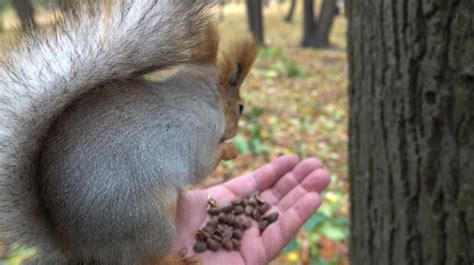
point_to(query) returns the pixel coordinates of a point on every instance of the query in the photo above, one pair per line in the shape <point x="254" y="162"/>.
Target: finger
<point x="291" y="180"/>
<point x="277" y="235"/>
<point x="261" y="179"/>
<point x="315" y="182"/>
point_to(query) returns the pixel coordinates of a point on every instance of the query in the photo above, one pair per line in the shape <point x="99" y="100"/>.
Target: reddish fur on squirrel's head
<point x="234" y="65"/>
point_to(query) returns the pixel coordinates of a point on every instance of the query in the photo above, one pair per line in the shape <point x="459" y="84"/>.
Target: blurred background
<point x="295" y="99"/>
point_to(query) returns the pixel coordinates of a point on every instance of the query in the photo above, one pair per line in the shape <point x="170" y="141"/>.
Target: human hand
<point x="291" y="187"/>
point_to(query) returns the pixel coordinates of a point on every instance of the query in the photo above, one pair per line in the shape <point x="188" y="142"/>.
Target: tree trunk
<point x="255" y="18"/>
<point x="308" y="22"/>
<point x="316" y="33"/>
<point x="323" y="28"/>
<point x="411" y="147"/>
<point x="291" y="12"/>
<point x="25" y="12"/>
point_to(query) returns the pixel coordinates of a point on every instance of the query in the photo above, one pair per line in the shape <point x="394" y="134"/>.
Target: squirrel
<point x="93" y="154"/>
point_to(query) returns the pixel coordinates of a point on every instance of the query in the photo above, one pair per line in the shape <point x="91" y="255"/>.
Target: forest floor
<point x="295" y="102"/>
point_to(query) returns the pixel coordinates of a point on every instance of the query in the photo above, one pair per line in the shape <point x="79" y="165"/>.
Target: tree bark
<point x="323" y="28"/>
<point x="308" y="22"/>
<point x="316" y="32"/>
<point x="411" y="146"/>
<point x="291" y="11"/>
<point x="25" y="12"/>
<point x="255" y="19"/>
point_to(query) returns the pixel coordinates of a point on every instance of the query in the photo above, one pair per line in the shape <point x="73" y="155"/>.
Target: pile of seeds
<point x="228" y="223"/>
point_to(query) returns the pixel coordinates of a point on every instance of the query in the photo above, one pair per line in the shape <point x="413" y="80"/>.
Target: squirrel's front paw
<point x="227" y="151"/>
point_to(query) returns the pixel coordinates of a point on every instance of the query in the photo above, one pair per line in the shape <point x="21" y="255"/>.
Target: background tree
<point x="255" y="19"/>
<point x="316" y="31"/>
<point x="25" y="12"/>
<point x="291" y="11"/>
<point x="411" y="131"/>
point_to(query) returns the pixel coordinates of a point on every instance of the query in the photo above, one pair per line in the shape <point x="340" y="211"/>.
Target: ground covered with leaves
<point x="296" y="102"/>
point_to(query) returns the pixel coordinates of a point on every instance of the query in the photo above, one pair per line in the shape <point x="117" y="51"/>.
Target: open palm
<point x="291" y="187"/>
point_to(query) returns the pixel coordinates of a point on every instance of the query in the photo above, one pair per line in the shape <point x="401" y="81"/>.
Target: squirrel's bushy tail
<point x="96" y="43"/>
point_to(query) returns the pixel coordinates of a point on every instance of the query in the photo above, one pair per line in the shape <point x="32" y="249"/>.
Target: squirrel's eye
<point x="241" y="108"/>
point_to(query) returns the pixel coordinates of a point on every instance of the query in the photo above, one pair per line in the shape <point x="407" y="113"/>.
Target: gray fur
<point x="82" y="61"/>
<point x="111" y="158"/>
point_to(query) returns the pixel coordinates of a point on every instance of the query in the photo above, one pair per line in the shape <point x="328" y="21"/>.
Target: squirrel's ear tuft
<point x="236" y="76"/>
<point x="235" y="63"/>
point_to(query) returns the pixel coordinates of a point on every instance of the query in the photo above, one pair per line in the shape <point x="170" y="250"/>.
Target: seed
<point x="227" y="243"/>
<point x="216" y="238"/>
<point x="230" y="219"/>
<point x="236" y="201"/>
<point x="227" y="208"/>
<point x="256" y="214"/>
<point x="236" y="244"/>
<point x="262" y="225"/>
<point x="245" y="202"/>
<point x="212" y="244"/>
<point x="222" y="218"/>
<point x="264" y="207"/>
<point x="237" y="234"/>
<point x="239" y="223"/>
<point x="209" y="229"/>
<point x="240" y="220"/>
<point x="201" y="235"/>
<point x="228" y="232"/>
<point x="214" y="211"/>
<point x="200" y="246"/>
<point x="253" y="201"/>
<point x="272" y="217"/>
<point x="238" y="210"/>
<point x="248" y="210"/>
<point x="238" y="226"/>
<point x="211" y="223"/>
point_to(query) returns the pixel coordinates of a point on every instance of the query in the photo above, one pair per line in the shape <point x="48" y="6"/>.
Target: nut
<point x="262" y="225"/>
<point x="248" y="210"/>
<point x="238" y="210"/>
<point x="264" y="207"/>
<point x="272" y="217"/>
<point x="236" y="201"/>
<point x="212" y="244"/>
<point x="200" y="246"/>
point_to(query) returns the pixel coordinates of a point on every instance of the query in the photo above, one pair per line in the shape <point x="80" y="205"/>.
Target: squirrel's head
<point x="234" y="65"/>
